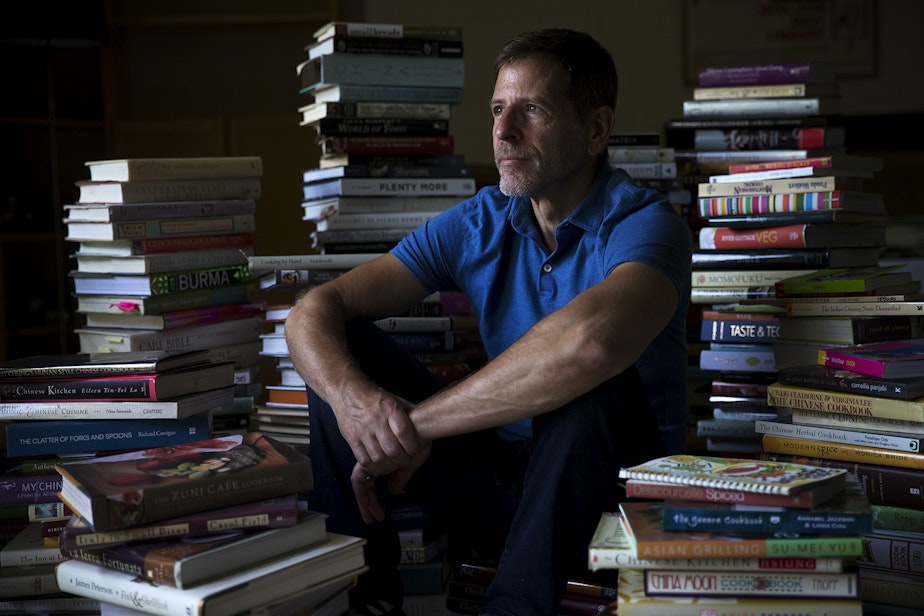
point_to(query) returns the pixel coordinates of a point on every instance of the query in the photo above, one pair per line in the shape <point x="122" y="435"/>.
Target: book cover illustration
<point x="145" y="486"/>
<point x="733" y="473"/>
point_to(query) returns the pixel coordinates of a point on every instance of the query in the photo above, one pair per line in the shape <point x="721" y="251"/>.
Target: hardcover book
<point x="843" y="280"/>
<point x="762" y="107"/>
<point x="162" y="283"/>
<point x="328" y="127"/>
<point x="222" y="333"/>
<point x="642" y="523"/>
<point x="156" y="386"/>
<point x="449" y="48"/>
<point x="107" y="212"/>
<point x="633" y="601"/>
<point x="277" y="512"/>
<point x="680" y="583"/>
<point x="68" y="436"/>
<point x="161" y="263"/>
<point x="845" y="161"/>
<point x="894" y="440"/>
<point x="851" y="330"/>
<point x="157" y="245"/>
<point x="709" y="207"/>
<point x="848" y="381"/>
<point x="160" y="304"/>
<point x="19" y="487"/>
<point x="148" y="191"/>
<point x="768" y="73"/>
<point x="338" y="558"/>
<point x="174" y="319"/>
<point x="146" y="486"/>
<point x="157" y="228"/>
<point x="392" y="144"/>
<point x="178" y="408"/>
<point x="188" y="562"/>
<point x="905" y="304"/>
<point x="99" y="364"/>
<point x="790" y="396"/>
<point x="891" y="359"/>
<point x="737" y="185"/>
<point x="858" y="423"/>
<point x="309" y="261"/>
<point x="381" y="69"/>
<point x="780" y="257"/>
<point x="791" y="236"/>
<point x="733" y="473"/>
<point x="373" y="109"/>
<point x="377" y="187"/>
<point x="335" y="93"/>
<point x="392" y="31"/>
<point x="848" y="513"/>
<point x="192" y="168"/>
<point x="610" y="549"/>
<point x="842" y="451"/>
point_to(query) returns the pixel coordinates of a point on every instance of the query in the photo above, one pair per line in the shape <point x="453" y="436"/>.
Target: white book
<point x="202" y="167"/>
<point x="791" y="172"/>
<point x="389" y="187"/>
<point x="164" y="262"/>
<point x="338" y="558"/>
<point x="309" y="261"/>
<point x="322" y="208"/>
<point x="184" y="338"/>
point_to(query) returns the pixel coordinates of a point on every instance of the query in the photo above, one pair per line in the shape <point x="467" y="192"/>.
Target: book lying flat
<point x="733" y="473"/>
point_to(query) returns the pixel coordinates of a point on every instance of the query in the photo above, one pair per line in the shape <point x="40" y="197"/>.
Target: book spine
<point x="779" y="90"/>
<point x="725" y="428"/>
<point x="197" y="337"/>
<point x="852" y="422"/>
<point x="394" y="94"/>
<point x="239" y="223"/>
<point x="847" y="308"/>
<point x="207" y="315"/>
<point x="384" y="69"/>
<point x="839" y="402"/>
<point x="738" y="331"/>
<point x="378" y="187"/>
<point x="663" y="491"/>
<point x="756" y="74"/>
<point x="380" y="126"/>
<point x="347" y="222"/>
<point x="448" y="48"/>
<point x="819" y="546"/>
<point x="149" y="191"/>
<point x="29" y="489"/>
<point x="732" y="238"/>
<point x="768" y="187"/>
<point x="817" y="161"/>
<point x="298" y="277"/>
<point x="415" y="324"/>
<point x="667" y="583"/>
<point x="194" y="242"/>
<point x="79" y="436"/>
<point x="182" y="209"/>
<point x="621" y="154"/>
<point x="772" y="258"/>
<point x="396" y="144"/>
<point x="35" y="390"/>
<point x="189" y="300"/>
<point x="732" y="139"/>
<point x="326" y="262"/>
<point x="903" y="519"/>
<point x="640" y="170"/>
<point x="710" y="207"/>
<point x="898" y="593"/>
<point x="735" y="278"/>
<point x="29" y="582"/>
<point x="430" y="341"/>
<point x="892" y="552"/>
<point x="192" y="168"/>
<point x="687" y="517"/>
<point x="736" y="361"/>
<point x="882" y="484"/>
<point x="847" y="437"/>
<point x="371" y="109"/>
<point x="192" y="280"/>
<point x="754" y="107"/>
<point x="723" y="295"/>
<point x="841" y="451"/>
<point x="123" y="562"/>
<point x="359" y="29"/>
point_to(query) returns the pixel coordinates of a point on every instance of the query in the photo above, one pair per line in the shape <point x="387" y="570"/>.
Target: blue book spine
<point x="738" y="331"/>
<point x="85" y="436"/>
<point x="384" y="69"/>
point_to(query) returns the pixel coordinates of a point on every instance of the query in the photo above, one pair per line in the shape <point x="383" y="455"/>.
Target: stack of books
<point x="861" y="408"/>
<point x="776" y="197"/>
<point x="161" y="261"/>
<point x="214" y="527"/>
<point x="650" y="165"/>
<point x="381" y="96"/>
<point x="734" y="535"/>
<point x="78" y="406"/>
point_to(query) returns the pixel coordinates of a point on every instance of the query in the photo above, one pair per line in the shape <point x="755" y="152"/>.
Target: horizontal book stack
<point x="161" y="261"/>
<point x="63" y="407"/>
<point x="381" y="96"/>
<point x="216" y="526"/>
<point x="734" y="535"/>
<point x="861" y="408"/>
<point x="651" y="165"/>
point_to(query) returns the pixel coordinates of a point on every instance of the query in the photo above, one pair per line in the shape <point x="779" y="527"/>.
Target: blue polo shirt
<point x="489" y="248"/>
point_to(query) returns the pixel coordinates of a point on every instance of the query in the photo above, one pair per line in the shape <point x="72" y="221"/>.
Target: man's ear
<point x="600" y="128"/>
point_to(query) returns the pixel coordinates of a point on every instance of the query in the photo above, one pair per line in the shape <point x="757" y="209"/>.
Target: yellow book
<point x="842" y="451"/>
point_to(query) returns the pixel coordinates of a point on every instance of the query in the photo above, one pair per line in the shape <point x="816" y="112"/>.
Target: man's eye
<point x="532" y="108"/>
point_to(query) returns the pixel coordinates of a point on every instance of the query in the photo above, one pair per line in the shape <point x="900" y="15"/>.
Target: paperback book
<point x="146" y="486"/>
<point x="897" y="441"/>
<point x="680" y="583"/>
<point x="891" y="359"/>
<point x="807" y="398"/>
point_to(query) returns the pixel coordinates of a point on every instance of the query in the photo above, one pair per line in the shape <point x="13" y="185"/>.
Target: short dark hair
<point x="589" y="66"/>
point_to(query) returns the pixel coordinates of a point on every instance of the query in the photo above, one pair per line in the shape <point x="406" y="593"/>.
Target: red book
<point x="843" y="161"/>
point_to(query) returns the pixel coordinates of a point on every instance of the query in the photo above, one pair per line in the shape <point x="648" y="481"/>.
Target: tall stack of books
<point x="213" y="527"/>
<point x="734" y="535"/>
<point x="381" y="100"/>
<point x="161" y="261"/>
<point x="861" y="408"/>
<point x="650" y="165"/>
<point x="78" y="406"/>
<point x="777" y="197"/>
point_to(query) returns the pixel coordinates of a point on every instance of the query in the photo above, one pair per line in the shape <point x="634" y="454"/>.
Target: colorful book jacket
<point x="679" y="583"/>
<point x="642" y="522"/>
<point x="789" y="396"/>
<point x="277" y="512"/>
<point x="789" y="202"/>
<point x="842" y="451"/>
<point x="892" y="359"/>
<point x="610" y="548"/>
<point x="761" y="476"/>
<point x="186" y="562"/>
<point x="146" y="486"/>
<point x="38" y="438"/>
<point x="19" y="487"/>
<point x="848" y="513"/>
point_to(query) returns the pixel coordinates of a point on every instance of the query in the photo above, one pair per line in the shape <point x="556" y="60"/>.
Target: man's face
<point x="539" y="141"/>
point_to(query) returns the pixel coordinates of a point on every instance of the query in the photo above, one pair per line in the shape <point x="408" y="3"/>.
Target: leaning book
<point x="733" y="473"/>
<point x="340" y="557"/>
<point x="141" y="487"/>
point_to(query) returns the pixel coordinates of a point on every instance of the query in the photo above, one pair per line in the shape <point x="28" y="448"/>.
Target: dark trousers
<point x="533" y="504"/>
